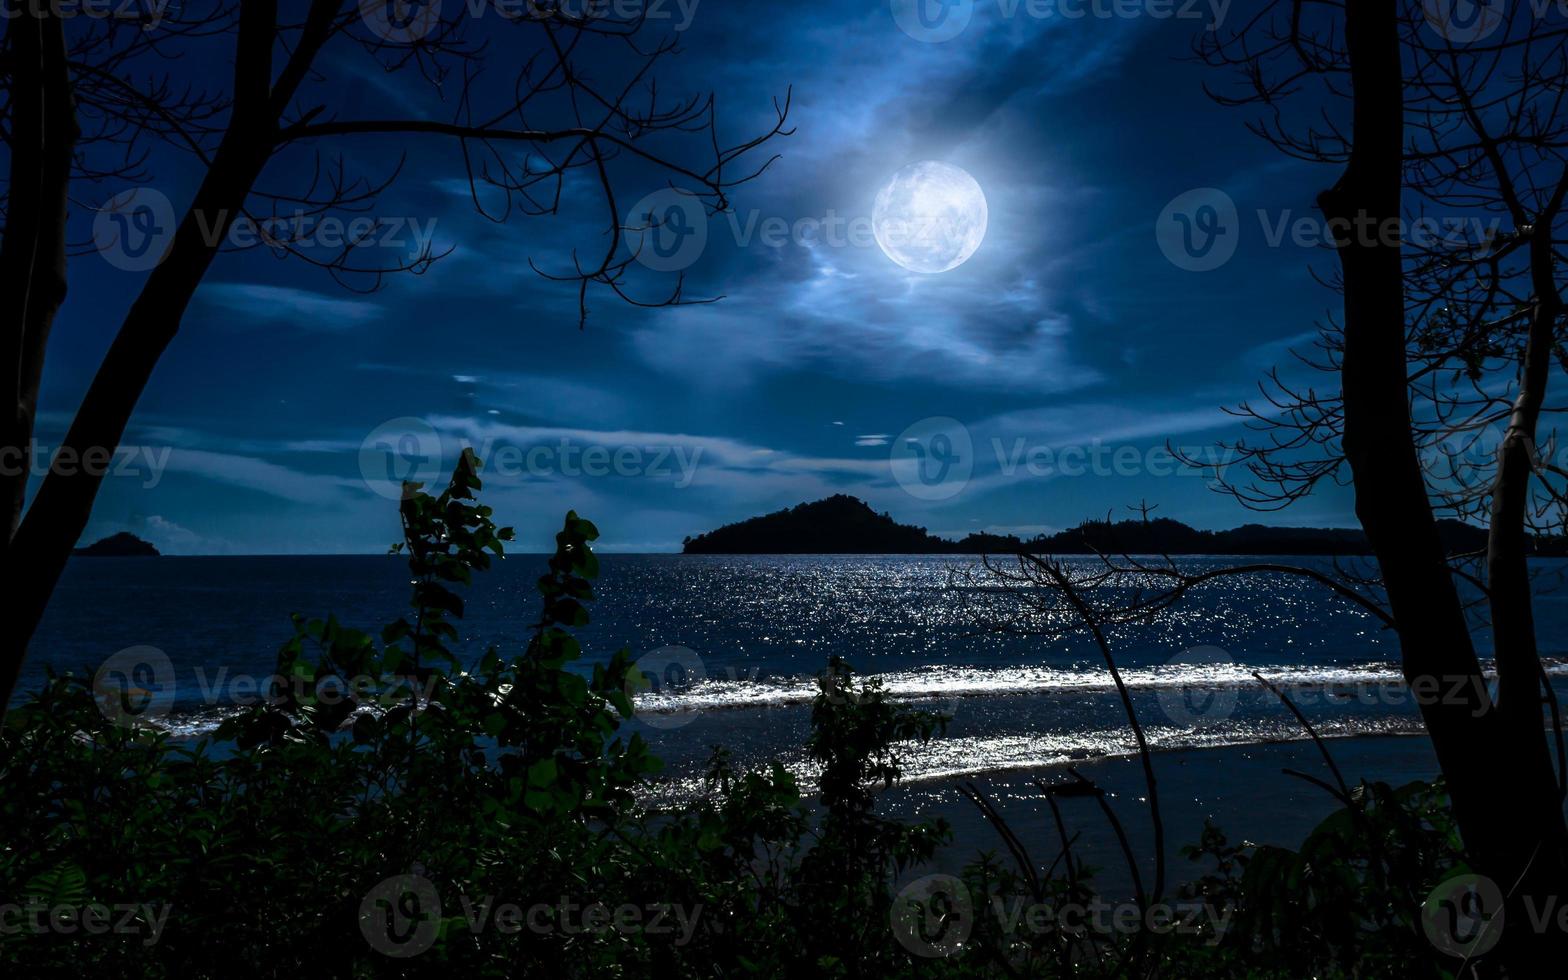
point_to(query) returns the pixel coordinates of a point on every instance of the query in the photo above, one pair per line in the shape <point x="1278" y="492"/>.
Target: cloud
<point x="955" y="334"/>
<point x="256" y="474"/>
<point x="176" y="539"/>
<point x="300" y="307"/>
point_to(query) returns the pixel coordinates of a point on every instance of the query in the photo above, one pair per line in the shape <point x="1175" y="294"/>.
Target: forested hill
<point x="838" y="525"/>
<point x="846" y="525"/>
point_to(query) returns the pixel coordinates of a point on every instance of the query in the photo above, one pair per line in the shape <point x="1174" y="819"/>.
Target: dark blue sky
<point x="1069" y="327"/>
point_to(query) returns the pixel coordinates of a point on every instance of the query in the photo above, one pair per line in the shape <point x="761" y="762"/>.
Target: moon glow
<point x="930" y="217"/>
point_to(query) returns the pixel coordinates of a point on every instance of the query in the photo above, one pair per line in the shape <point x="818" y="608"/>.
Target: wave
<point x="982" y="755"/>
<point x="945" y="683"/>
<point x="951" y="684"/>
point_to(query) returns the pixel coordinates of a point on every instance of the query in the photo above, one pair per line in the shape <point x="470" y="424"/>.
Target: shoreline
<point x="1240" y="788"/>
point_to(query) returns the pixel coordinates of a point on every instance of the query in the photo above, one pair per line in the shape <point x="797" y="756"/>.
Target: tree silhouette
<point x="94" y="104"/>
<point x="1451" y="139"/>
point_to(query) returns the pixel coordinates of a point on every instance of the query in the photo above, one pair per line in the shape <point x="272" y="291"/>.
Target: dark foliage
<point x="387" y="812"/>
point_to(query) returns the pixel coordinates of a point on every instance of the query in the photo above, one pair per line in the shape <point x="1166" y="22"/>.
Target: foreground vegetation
<point x="489" y="821"/>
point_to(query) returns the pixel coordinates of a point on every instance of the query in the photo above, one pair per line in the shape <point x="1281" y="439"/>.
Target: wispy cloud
<point x="299" y="307"/>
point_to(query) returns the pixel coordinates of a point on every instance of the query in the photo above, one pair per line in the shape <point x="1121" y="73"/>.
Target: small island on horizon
<point x="846" y="525"/>
<point x="121" y="545"/>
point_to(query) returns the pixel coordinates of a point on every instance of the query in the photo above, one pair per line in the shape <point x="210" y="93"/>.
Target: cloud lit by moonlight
<point x="930" y="217"/>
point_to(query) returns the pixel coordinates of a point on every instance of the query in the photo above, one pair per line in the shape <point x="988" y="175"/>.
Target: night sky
<point x="1069" y="327"/>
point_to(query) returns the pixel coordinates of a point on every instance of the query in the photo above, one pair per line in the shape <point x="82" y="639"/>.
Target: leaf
<point x="543" y="774"/>
<point x="63" y="884"/>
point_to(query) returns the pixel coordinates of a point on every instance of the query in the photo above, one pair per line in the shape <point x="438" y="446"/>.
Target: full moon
<point x="930" y="217"/>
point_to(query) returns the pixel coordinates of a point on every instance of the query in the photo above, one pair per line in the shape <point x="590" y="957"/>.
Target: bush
<point x="487" y="821"/>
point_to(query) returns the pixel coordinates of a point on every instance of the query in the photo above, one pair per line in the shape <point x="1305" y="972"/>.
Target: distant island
<point x="122" y="545"/>
<point x="845" y="525"/>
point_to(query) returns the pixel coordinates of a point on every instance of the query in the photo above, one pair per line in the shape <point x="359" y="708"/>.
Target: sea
<point x="730" y="646"/>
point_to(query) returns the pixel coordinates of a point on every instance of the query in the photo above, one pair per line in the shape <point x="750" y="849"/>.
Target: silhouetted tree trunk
<point x="32" y="256"/>
<point x="1499" y="774"/>
<point x="49" y="66"/>
<point x="42" y="542"/>
<point x="32" y="284"/>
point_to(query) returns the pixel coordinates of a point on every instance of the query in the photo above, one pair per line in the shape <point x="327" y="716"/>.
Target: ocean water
<point x="730" y="646"/>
